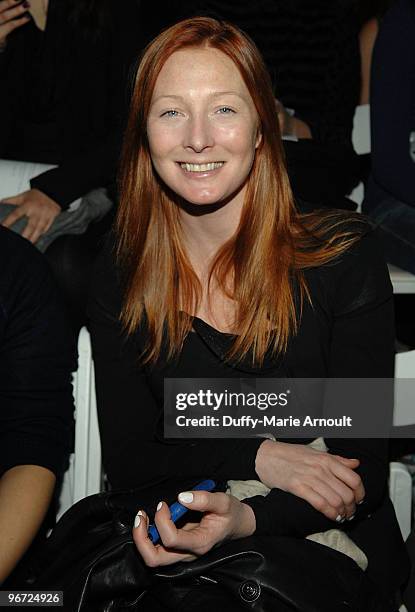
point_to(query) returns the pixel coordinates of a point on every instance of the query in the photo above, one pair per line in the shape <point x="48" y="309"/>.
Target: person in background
<point x="63" y="74"/>
<point x="390" y="194"/>
<point x="36" y="404"/>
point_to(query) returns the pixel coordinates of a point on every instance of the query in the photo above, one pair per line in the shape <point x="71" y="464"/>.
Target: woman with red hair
<point x="215" y="274"/>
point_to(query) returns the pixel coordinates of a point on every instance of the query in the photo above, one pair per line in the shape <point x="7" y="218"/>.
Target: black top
<point x="64" y="98"/>
<point x="311" y="49"/>
<point x="36" y="361"/>
<point x="347" y="333"/>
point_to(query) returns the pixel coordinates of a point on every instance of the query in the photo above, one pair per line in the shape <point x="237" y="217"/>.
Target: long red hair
<point x="261" y="266"/>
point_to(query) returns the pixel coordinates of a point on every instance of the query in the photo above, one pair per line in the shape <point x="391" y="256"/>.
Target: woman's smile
<point x="200" y="171"/>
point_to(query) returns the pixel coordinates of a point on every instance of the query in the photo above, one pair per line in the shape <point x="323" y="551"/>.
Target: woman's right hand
<point x="327" y="482"/>
<point x="13" y="14"/>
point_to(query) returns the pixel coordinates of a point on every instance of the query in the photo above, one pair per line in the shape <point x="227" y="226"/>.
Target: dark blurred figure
<point x="63" y="72"/>
<point x="311" y="49"/>
<point x="390" y="196"/>
<point x="36" y="404"/>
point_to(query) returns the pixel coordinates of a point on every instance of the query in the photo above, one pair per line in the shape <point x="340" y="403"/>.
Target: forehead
<point x="199" y="70"/>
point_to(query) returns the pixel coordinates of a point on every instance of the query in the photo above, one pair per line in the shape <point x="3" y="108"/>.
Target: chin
<point x="200" y="200"/>
<point x="203" y="201"/>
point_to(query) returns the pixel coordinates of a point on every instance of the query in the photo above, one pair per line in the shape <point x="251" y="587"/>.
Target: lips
<point x="207" y="167"/>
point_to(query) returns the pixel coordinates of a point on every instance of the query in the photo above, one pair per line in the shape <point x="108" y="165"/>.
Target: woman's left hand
<point x="224" y="518"/>
<point x="39" y="209"/>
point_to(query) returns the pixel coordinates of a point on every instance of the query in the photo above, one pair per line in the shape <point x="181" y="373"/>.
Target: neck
<point x="204" y="234"/>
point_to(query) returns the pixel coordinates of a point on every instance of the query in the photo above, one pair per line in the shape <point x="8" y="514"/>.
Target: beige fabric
<point x="340" y="541"/>
<point x="39" y="11"/>
<point x="333" y="538"/>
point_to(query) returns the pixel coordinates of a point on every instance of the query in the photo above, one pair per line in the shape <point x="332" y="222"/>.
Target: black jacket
<point x="347" y="333"/>
<point x="37" y="357"/>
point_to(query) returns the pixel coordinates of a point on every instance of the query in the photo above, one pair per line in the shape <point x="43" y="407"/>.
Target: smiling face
<point x="202" y="127"/>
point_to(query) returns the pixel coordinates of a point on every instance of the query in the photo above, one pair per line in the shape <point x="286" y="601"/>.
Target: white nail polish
<point x="137" y="520"/>
<point x="361" y="501"/>
<point x="351" y="517"/>
<point x="186" y="497"/>
<point x="339" y="518"/>
<point x="159" y="505"/>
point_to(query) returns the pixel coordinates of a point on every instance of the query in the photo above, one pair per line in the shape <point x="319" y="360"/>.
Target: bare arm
<point x="367" y="38"/>
<point x="25" y="494"/>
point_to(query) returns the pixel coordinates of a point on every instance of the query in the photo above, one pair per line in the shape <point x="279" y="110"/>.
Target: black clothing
<point x="390" y="193"/>
<point x="36" y="361"/>
<point x="347" y="333"/>
<point x="64" y="99"/>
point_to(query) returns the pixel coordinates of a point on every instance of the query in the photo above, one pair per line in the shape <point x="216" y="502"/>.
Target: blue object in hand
<point x="177" y="510"/>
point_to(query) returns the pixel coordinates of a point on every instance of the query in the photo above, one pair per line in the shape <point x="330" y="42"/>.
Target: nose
<point x="199" y="134"/>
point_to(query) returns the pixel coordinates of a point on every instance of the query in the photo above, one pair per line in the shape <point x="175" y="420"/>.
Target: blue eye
<point x="225" y="110"/>
<point x="170" y="113"/>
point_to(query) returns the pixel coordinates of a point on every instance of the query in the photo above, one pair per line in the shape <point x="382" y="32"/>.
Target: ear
<point x="258" y="139"/>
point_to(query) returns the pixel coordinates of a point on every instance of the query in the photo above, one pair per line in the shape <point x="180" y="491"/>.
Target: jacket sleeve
<point x="37" y="358"/>
<point x="362" y="345"/>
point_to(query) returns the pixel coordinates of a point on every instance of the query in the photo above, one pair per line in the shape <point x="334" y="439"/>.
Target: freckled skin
<point x="201" y="112"/>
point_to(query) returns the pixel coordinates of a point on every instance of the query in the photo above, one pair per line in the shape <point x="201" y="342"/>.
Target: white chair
<point x="84" y="475"/>
<point x="400" y="492"/>
<point x="361" y="144"/>
<point x="402" y="281"/>
<point x="400" y="481"/>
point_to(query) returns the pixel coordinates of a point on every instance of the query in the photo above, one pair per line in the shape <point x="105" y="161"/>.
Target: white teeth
<point x="201" y="167"/>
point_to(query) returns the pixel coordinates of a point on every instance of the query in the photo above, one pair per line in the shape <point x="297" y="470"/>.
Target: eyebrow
<point x="212" y="95"/>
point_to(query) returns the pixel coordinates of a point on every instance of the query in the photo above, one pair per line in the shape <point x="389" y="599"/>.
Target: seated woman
<point x="63" y="69"/>
<point x="214" y="274"/>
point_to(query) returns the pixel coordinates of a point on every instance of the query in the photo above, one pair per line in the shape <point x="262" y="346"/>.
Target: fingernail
<point x="361" y="502"/>
<point x="159" y="505"/>
<point x="339" y="518"/>
<point x="186" y="497"/>
<point x="137" y="519"/>
<point x="351" y="517"/>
